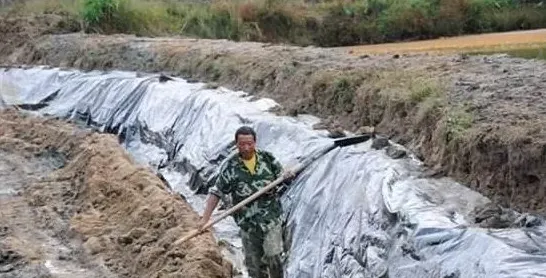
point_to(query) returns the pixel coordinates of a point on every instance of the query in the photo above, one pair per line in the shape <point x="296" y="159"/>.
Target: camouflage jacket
<point x="237" y="181"/>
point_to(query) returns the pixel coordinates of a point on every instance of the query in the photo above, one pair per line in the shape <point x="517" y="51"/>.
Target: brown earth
<point x="493" y="41"/>
<point x="73" y="204"/>
<point x="479" y="119"/>
<point x="16" y="31"/>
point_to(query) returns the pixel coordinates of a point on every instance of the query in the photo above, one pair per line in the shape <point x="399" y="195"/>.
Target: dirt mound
<point x="96" y="214"/>
<point x="17" y="31"/>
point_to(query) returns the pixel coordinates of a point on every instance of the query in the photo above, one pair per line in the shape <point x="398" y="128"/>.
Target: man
<point x="241" y="175"/>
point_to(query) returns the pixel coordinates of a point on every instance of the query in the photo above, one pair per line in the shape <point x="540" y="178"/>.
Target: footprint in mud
<point x="4" y="230"/>
<point x="9" y="259"/>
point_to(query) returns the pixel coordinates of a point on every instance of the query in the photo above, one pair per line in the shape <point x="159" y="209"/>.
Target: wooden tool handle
<point x="238" y="206"/>
<point x="343" y="142"/>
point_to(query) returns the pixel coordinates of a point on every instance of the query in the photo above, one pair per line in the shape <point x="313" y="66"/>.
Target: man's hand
<point x="202" y="224"/>
<point x="212" y="201"/>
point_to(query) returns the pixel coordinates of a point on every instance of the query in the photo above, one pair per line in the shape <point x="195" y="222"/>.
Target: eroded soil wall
<point x="75" y="204"/>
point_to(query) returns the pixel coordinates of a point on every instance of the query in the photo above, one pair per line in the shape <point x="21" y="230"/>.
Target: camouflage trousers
<point x="263" y="251"/>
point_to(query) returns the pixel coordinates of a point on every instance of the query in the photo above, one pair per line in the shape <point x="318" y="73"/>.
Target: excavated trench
<point x="366" y="210"/>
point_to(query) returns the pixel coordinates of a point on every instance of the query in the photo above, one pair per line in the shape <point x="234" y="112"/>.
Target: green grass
<point x="328" y="23"/>
<point x="422" y="89"/>
<point x="538" y="52"/>
<point x="458" y="122"/>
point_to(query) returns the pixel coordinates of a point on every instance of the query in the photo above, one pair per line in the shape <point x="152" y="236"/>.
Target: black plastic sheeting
<point x="355" y="212"/>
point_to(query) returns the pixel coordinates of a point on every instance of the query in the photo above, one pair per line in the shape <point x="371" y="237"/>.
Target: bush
<point x="450" y="17"/>
<point x="323" y="23"/>
<point x="375" y="21"/>
<point x="508" y="19"/>
<point x="406" y="19"/>
<point x="101" y="14"/>
<point x="209" y="22"/>
<point x="274" y="24"/>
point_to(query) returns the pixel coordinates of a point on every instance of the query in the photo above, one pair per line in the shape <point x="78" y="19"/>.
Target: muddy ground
<point x="74" y="204"/>
<point x="479" y="119"/>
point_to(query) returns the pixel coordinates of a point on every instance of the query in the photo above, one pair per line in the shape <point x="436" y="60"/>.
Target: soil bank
<point x="74" y="204"/>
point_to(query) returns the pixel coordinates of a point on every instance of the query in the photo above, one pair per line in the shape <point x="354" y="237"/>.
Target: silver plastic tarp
<point x="355" y="212"/>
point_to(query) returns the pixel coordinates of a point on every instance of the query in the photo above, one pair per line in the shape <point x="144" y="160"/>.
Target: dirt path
<point x="502" y="41"/>
<point x="73" y="204"/>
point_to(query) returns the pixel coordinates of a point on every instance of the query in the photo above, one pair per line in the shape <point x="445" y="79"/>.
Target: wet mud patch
<point x="73" y="204"/>
<point x="31" y="244"/>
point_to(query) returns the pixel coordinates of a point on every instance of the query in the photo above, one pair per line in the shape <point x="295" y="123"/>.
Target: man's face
<point x="246" y="145"/>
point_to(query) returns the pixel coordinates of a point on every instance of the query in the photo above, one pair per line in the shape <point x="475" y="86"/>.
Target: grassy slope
<point x="328" y="23"/>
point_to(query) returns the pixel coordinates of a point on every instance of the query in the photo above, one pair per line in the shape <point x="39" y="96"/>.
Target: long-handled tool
<point x="337" y="143"/>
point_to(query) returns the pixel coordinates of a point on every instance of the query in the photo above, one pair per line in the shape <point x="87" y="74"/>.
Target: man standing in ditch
<point x="260" y="225"/>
